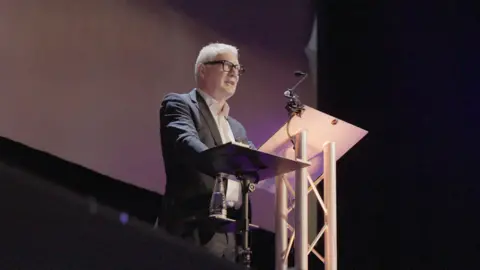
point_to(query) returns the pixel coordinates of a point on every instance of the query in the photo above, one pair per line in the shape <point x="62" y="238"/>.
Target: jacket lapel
<point x="207" y="116"/>
<point x="237" y="131"/>
<point x="234" y="130"/>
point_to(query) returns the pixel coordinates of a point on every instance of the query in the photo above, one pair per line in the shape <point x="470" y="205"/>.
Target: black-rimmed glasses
<point x="227" y="66"/>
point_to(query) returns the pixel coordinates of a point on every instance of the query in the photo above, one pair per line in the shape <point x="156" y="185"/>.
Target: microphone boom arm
<point x="294" y="105"/>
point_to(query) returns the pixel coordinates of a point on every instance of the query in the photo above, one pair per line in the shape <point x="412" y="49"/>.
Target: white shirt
<point x="220" y="114"/>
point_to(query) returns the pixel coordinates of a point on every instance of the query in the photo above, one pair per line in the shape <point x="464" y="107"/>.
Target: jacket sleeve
<point x="177" y="127"/>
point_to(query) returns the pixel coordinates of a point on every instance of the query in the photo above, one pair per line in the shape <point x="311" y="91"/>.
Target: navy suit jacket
<point x="188" y="128"/>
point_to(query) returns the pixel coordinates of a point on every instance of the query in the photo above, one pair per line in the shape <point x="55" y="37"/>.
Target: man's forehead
<point x="227" y="56"/>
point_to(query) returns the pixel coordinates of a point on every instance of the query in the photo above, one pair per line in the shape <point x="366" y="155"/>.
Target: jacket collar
<point x="202" y="106"/>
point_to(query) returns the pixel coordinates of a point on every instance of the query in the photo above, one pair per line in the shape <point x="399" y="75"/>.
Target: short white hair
<point x="209" y="52"/>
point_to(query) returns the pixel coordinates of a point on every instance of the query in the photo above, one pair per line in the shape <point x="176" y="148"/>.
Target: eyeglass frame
<point x="240" y="69"/>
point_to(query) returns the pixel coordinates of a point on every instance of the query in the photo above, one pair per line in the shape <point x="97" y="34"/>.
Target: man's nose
<point x="233" y="72"/>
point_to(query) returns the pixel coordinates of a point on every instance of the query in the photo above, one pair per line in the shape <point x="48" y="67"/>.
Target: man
<point x="189" y="124"/>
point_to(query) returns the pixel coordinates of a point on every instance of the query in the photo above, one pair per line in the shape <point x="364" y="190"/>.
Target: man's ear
<point x="201" y="71"/>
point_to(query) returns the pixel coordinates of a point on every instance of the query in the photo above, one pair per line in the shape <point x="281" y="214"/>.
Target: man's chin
<point x="228" y="92"/>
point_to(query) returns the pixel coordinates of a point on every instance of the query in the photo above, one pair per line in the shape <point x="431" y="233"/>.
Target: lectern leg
<point x="244" y="224"/>
<point x="301" y="204"/>
<point x="330" y="186"/>
<point x="280" y="224"/>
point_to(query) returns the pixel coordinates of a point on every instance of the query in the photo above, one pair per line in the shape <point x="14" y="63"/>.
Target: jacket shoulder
<point x="175" y="97"/>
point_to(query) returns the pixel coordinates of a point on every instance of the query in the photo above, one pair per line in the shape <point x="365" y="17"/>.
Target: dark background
<point x="407" y="71"/>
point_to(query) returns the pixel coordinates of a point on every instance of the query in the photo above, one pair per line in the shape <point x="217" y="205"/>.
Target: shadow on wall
<point x="277" y="27"/>
<point x="140" y="203"/>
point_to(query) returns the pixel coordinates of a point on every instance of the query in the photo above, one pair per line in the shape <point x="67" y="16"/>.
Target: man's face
<point x="221" y="75"/>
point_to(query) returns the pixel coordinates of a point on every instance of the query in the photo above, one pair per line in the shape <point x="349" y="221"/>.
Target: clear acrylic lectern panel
<point x="321" y="128"/>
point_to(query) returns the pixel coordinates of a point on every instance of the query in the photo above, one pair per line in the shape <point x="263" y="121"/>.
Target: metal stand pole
<point x="301" y="204"/>
<point x="280" y="224"/>
<point x="328" y="204"/>
<point x="330" y="195"/>
<point x="244" y="224"/>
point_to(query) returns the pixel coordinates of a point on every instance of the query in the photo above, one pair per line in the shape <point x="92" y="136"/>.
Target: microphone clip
<point x="294" y="106"/>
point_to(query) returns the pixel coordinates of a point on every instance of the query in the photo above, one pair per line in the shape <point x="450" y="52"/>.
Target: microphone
<point x="299" y="73"/>
<point x="294" y="105"/>
<point x="290" y="93"/>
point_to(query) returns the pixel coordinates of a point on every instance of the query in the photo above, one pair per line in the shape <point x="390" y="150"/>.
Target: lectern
<point x="237" y="161"/>
<point x="329" y="138"/>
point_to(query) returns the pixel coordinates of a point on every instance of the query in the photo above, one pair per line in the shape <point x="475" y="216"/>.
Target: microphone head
<point x="299" y="73"/>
